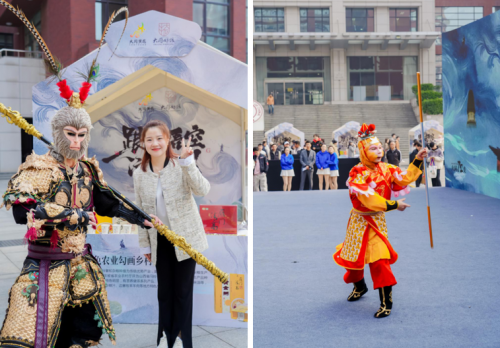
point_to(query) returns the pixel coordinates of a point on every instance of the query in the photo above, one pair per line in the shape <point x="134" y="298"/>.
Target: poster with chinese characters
<point x="172" y="45"/>
<point x="131" y="281"/>
<point x="216" y="142"/>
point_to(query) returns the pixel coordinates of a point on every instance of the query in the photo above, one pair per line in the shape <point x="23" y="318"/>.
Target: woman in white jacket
<point x="164" y="185"/>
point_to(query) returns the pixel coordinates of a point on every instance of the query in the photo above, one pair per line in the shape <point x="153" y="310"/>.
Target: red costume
<point x="371" y="184"/>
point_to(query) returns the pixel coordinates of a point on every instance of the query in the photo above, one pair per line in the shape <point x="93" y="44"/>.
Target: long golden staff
<point x="425" y="162"/>
<point x="14" y="117"/>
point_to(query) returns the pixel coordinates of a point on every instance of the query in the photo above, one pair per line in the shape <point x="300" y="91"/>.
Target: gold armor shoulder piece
<point x="34" y="177"/>
<point x="95" y="170"/>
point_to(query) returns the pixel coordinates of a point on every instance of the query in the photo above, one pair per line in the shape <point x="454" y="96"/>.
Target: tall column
<point x="338" y="63"/>
<point x="427" y="64"/>
<point x="77" y="19"/>
<point x="238" y="30"/>
<point x="292" y="20"/>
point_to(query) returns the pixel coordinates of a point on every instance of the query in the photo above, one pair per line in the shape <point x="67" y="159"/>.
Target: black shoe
<point x="359" y="290"/>
<point x="385" y="295"/>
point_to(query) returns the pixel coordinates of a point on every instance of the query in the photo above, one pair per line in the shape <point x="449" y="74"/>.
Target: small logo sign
<point x="146" y="100"/>
<point x="171" y="97"/>
<point x="139" y="31"/>
<point x="258" y="111"/>
<point x="163" y="29"/>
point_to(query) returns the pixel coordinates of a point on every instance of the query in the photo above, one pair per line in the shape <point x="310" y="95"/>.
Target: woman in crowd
<point x="164" y="185"/>
<point x="323" y="169"/>
<point x="351" y="150"/>
<point x="333" y="164"/>
<point x="436" y="154"/>
<point x="287" y="172"/>
<point x="397" y="142"/>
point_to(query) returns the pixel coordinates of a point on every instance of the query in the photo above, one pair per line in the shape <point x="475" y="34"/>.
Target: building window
<point x="269" y="20"/>
<point x="30" y="44"/>
<point x="403" y="19"/>
<point x="213" y="18"/>
<point x="314" y="20"/>
<point x="451" y="18"/>
<point x="6" y="41"/>
<point x="381" y="78"/>
<point x="294" y="80"/>
<point x="103" y="10"/>
<point x="439" y="76"/>
<point x="360" y="20"/>
<point x="495" y="9"/>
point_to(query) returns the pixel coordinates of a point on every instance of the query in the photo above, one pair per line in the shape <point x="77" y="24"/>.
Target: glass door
<point x="276" y="89"/>
<point x="313" y="93"/>
<point x="294" y="93"/>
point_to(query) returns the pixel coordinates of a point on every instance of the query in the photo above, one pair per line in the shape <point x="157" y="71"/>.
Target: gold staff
<point x="14" y="117"/>
<point x="425" y="164"/>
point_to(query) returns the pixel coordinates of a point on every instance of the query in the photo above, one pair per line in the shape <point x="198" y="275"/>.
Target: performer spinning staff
<point x="370" y="185"/>
<point x="60" y="299"/>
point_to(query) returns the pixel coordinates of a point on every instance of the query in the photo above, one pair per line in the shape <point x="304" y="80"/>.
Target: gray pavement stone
<point x="210" y="341"/>
<point x="236" y="338"/>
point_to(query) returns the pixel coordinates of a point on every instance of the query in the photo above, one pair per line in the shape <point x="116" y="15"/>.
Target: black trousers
<point x="436" y="182"/>
<point x="175" y="294"/>
<point x="78" y="326"/>
<point x="419" y="180"/>
<point x="309" y="174"/>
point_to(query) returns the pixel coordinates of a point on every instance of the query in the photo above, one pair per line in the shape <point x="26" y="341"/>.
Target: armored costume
<point x="60" y="298"/>
<point x="370" y="185"/>
<point x="61" y="282"/>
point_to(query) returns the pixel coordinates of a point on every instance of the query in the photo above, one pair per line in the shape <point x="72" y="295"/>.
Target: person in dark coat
<point x="393" y="155"/>
<point x="418" y="146"/>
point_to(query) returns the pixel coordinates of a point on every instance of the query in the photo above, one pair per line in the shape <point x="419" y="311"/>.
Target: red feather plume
<point x="66" y="92"/>
<point x="84" y="91"/>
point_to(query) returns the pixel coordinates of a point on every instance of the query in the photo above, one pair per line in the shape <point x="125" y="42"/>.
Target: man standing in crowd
<point x="275" y="154"/>
<point x="437" y="155"/>
<point x="270" y="104"/>
<point x="281" y="148"/>
<point x="307" y="160"/>
<point x="261" y="150"/>
<point x="393" y="155"/>
<point x="316" y="144"/>
<point x="296" y="148"/>
<point x="417" y="146"/>
<point x="260" y="167"/>
<point x="265" y="147"/>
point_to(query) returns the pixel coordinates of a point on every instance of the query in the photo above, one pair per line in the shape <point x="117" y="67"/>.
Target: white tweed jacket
<point x="179" y="183"/>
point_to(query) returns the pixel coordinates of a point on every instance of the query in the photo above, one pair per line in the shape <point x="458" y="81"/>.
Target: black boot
<point x="359" y="290"/>
<point x="385" y="294"/>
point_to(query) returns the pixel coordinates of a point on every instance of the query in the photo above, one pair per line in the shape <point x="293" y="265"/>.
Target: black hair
<point x="255" y="149"/>
<point x="432" y="144"/>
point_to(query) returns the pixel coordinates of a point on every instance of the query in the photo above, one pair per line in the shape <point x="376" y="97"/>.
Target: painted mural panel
<point x="471" y="96"/>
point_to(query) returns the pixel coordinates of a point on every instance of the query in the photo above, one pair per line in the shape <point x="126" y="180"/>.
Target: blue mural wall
<point x="471" y="97"/>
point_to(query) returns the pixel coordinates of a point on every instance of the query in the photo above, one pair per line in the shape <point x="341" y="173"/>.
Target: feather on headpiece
<point x="52" y="64"/>
<point x="55" y="67"/>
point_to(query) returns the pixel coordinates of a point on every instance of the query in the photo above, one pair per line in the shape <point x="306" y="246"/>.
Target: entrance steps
<point x="389" y="117"/>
